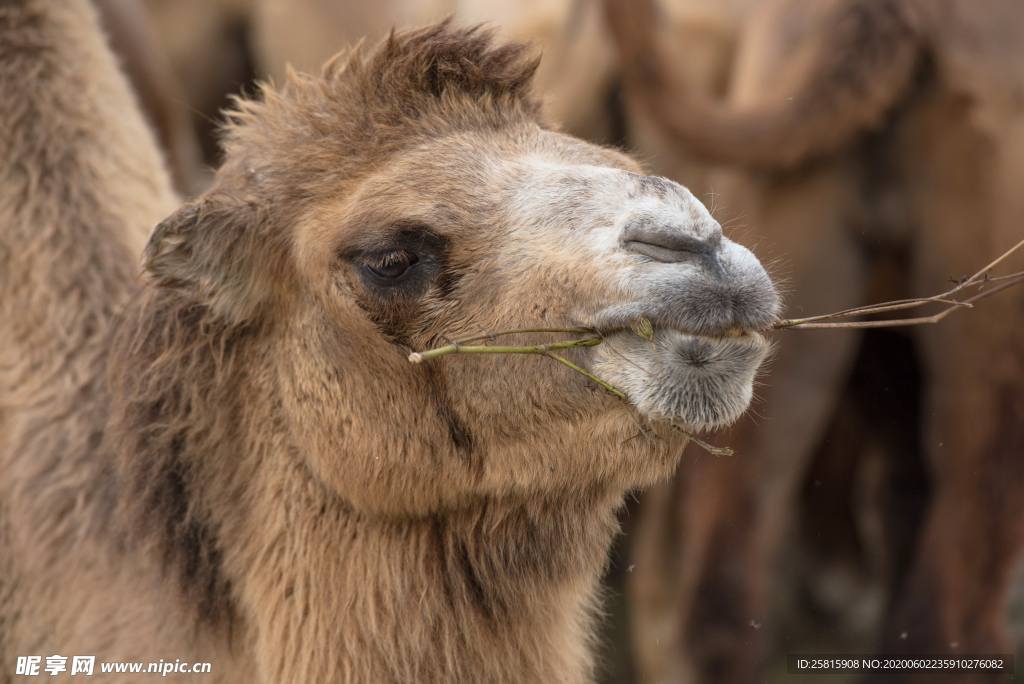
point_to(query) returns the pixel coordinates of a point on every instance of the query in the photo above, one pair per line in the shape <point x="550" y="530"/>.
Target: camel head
<point x="413" y="195"/>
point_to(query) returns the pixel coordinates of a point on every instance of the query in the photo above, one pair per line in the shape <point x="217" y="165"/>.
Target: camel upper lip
<point x="617" y="325"/>
<point x="714" y="316"/>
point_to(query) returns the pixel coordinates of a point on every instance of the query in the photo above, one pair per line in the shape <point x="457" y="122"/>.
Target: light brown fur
<point x="243" y="467"/>
<point x="80" y="186"/>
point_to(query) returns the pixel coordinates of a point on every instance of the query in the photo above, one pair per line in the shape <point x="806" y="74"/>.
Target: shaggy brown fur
<point x="575" y="77"/>
<point x="81" y="183"/>
<point x="936" y="179"/>
<point x="247" y="470"/>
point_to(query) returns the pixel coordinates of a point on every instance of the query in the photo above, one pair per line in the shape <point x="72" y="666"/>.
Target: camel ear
<point x="207" y="252"/>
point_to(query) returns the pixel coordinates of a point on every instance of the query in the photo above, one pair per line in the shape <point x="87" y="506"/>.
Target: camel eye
<point x="391" y="265"/>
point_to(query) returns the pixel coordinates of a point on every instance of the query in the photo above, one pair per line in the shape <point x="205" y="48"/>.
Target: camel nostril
<point x="671" y="243"/>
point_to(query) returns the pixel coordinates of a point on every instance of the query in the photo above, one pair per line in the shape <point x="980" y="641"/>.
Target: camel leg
<point x="706" y="541"/>
<point x="863" y="498"/>
<point x="953" y="599"/>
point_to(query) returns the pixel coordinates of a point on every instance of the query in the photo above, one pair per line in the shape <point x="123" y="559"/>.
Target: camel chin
<point x="694" y="381"/>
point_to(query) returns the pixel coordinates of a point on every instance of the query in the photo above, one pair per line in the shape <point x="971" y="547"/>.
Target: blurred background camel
<point x="877" y="144"/>
<point x="871" y="502"/>
<point x="216" y="48"/>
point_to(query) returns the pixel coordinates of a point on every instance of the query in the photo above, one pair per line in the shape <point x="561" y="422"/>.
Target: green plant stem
<point x="494" y="335"/>
<point x="540" y="350"/>
<point x="457" y="348"/>
<point x="717" y="451"/>
<point x="546" y="350"/>
<point x="645" y="330"/>
<point x="596" y="379"/>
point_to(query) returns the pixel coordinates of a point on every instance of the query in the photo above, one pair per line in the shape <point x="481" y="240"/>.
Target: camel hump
<point x="854" y="68"/>
<point x="81" y="183"/>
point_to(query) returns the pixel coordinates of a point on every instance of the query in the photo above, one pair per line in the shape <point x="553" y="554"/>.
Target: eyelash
<point x="392" y="265"/>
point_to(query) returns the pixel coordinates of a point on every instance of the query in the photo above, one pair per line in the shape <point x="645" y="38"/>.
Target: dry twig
<point x="643" y="328"/>
<point x="978" y="280"/>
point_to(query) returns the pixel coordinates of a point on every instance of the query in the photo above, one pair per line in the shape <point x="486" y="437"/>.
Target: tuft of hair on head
<point x="314" y="135"/>
<point x="444" y="57"/>
<point x="401" y="80"/>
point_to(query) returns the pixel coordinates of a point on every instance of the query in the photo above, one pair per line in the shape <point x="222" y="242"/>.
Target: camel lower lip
<point x="704" y="381"/>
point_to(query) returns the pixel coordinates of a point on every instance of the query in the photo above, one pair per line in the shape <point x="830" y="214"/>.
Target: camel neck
<point x="81" y="183"/>
<point x="497" y="592"/>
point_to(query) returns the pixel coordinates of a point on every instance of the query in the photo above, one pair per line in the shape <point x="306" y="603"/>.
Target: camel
<point x="212" y="45"/>
<point x="848" y="124"/>
<point x="134" y="40"/>
<point x="231" y="460"/>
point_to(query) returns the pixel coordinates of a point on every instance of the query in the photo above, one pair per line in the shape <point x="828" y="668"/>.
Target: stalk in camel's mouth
<point x="644" y="329"/>
<point x="697" y="381"/>
<point x="702" y="381"/>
